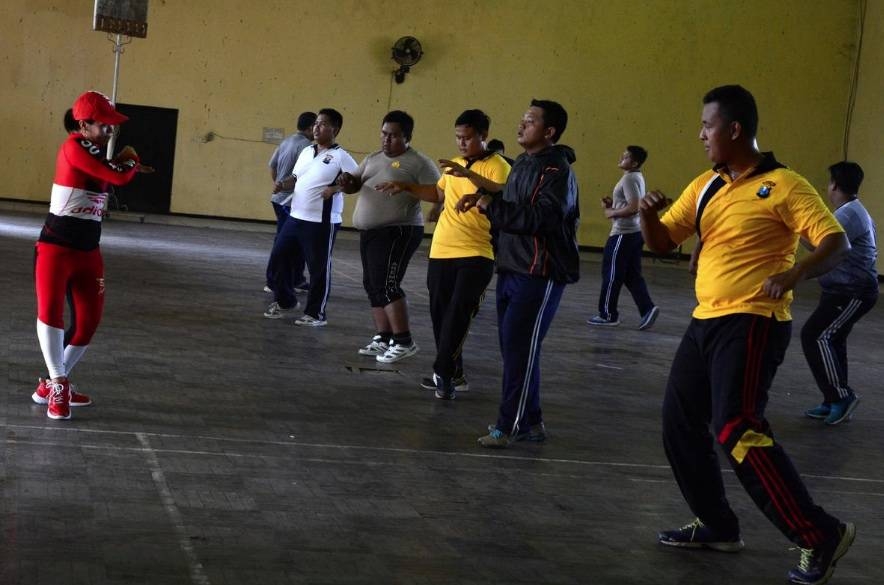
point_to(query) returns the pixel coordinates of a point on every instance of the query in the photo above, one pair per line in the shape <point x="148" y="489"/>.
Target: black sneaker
<point x="816" y="565"/>
<point x="698" y="535"/>
<point x="444" y="391"/>
<point x="460" y="383"/>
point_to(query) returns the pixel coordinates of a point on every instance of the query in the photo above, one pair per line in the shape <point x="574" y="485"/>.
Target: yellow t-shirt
<point x="463" y="235"/>
<point x="750" y="230"/>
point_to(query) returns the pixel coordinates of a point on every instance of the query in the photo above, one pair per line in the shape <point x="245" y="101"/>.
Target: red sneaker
<point x="41" y="395"/>
<point x="59" y="400"/>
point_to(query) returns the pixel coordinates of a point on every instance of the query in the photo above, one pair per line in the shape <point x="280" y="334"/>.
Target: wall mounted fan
<point x="406" y="52"/>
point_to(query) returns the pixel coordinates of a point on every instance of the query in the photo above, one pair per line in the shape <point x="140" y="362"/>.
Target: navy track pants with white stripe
<point x="721" y="374"/>
<point x="316" y="240"/>
<point x="525" y="309"/>
<point x="622" y="264"/>
<point x="824" y="340"/>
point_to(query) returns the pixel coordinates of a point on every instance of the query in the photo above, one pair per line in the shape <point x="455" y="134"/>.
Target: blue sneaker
<point x="649" y="318"/>
<point x="600" y="321"/>
<point x="842" y="410"/>
<point x="819" y="412"/>
<point x="698" y="535"/>
<point x="816" y="565"/>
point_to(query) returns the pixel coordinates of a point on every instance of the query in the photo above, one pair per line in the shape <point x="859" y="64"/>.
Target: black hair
<point x="476" y="119"/>
<point x="333" y="116"/>
<point x="736" y="104"/>
<point x="847" y="176"/>
<point x="638" y="154"/>
<point x="70" y="124"/>
<point x="306" y="120"/>
<point x="554" y="116"/>
<point x="406" y="122"/>
<point x="495" y="145"/>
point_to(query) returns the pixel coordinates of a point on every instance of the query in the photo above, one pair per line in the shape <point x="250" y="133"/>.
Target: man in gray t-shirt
<point x="622" y="259"/>
<point x="281" y="164"/>
<point x="391" y="228"/>
<point x="850" y="290"/>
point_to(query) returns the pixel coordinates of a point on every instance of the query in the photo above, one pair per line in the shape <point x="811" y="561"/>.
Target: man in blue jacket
<point x="537" y="216"/>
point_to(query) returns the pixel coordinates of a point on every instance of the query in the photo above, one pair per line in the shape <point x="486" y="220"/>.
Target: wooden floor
<point x="224" y="448"/>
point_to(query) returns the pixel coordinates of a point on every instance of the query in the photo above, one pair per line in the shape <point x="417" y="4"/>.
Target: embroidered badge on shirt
<point x="765" y="189"/>
<point x="395" y="164"/>
<point x="327" y="159"/>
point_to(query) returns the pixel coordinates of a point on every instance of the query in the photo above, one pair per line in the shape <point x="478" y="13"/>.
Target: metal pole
<point x="118" y="50"/>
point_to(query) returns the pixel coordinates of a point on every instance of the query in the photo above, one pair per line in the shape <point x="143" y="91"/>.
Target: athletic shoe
<point x="303" y="287"/>
<point x="59" y="400"/>
<point x="445" y="391"/>
<point x="495" y="439"/>
<point x="460" y="384"/>
<point x="816" y="565"/>
<point x="649" y="318"/>
<point x="819" y="412"/>
<point x="310" y="321"/>
<point x="377" y="346"/>
<point x="267" y="289"/>
<point x="274" y="311"/>
<point x="41" y="394"/>
<point x="534" y="433"/>
<point x="603" y="322"/>
<point x="396" y="352"/>
<point x="842" y="410"/>
<point x="698" y="535"/>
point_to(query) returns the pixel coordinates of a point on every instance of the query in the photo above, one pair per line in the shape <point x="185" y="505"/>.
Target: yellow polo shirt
<point x="463" y="235"/>
<point x="750" y="230"/>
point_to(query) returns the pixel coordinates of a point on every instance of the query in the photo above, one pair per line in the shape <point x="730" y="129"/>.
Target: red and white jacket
<point x="79" y="193"/>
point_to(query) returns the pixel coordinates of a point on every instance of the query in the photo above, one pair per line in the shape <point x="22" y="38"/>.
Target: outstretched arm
<point x="430" y="193"/>
<point x="450" y="167"/>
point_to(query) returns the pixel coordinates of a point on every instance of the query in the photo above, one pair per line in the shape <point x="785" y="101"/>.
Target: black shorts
<point x="385" y="253"/>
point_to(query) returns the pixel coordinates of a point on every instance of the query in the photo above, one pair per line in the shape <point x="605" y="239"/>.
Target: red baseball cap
<point x="96" y="106"/>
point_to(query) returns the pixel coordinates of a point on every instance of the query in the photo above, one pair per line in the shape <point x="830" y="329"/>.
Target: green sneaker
<point x="534" y="433"/>
<point x="496" y="439"/>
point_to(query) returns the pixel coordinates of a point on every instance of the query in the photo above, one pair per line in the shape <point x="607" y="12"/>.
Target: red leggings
<point x="57" y="270"/>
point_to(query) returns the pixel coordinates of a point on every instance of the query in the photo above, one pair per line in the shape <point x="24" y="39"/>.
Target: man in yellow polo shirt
<point x="748" y="213"/>
<point x="461" y="256"/>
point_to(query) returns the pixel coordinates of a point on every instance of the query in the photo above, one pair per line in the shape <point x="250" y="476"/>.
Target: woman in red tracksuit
<point x="68" y="258"/>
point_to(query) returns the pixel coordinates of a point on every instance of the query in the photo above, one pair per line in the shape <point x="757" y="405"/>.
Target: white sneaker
<point x="274" y="311"/>
<point x="308" y="321"/>
<point x="377" y="346"/>
<point x="397" y="352"/>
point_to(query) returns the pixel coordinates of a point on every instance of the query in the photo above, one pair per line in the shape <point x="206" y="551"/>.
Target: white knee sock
<point x="52" y="345"/>
<point x="72" y="355"/>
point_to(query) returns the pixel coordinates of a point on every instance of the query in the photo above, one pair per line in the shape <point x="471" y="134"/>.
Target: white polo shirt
<point x="314" y="171"/>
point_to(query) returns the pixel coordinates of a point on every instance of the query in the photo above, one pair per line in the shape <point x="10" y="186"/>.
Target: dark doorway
<point x="151" y="132"/>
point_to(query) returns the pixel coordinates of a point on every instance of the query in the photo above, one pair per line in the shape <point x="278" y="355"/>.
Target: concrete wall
<point x="627" y="73"/>
<point x="866" y="144"/>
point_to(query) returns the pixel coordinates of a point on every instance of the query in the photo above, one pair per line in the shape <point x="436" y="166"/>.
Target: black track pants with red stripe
<point x="721" y="375"/>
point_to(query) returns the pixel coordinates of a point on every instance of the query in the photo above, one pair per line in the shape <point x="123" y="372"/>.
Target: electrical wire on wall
<point x="854" y="79"/>
<point x="390" y="95"/>
<point x="213" y="135"/>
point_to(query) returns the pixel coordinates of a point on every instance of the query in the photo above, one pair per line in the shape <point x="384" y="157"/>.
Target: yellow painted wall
<point x="627" y="73"/>
<point x="866" y="144"/>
